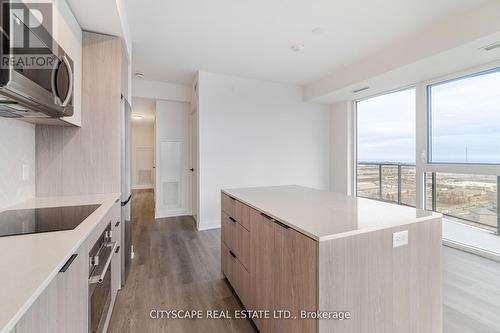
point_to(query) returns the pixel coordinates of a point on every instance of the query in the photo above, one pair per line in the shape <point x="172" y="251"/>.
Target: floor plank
<point x="177" y="267"/>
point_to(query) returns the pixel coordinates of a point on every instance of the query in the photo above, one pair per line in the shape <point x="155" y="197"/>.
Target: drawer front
<point x="226" y="262"/>
<point x="236" y="274"/>
<point x="241" y="279"/>
<point x="227" y="227"/>
<point x="241" y="244"/>
<point x="227" y="204"/>
<point x="241" y="214"/>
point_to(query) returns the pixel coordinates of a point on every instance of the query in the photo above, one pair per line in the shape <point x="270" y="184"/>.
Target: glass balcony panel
<point x="368" y="182"/>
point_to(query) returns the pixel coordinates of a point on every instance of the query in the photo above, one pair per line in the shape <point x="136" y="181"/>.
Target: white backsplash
<point x="17" y="152"/>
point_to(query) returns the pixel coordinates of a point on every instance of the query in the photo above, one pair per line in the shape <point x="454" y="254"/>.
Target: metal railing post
<point x="380" y="180"/>
<point x="498" y="205"/>
<point x="399" y="184"/>
<point x="434" y="199"/>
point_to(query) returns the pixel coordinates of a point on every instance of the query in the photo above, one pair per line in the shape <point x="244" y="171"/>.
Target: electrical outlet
<point x="26" y="172"/>
<point x="400" y="238"/>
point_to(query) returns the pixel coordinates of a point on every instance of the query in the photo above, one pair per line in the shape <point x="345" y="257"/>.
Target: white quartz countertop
<point x="30" y="262"/>
<point x="324" y="215"/>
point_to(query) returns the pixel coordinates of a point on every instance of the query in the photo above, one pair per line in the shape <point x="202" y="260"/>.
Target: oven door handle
<point x="100" y="277"/>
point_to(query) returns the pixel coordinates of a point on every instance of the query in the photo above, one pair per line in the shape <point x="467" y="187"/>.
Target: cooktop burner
<point x="37" y="220"/>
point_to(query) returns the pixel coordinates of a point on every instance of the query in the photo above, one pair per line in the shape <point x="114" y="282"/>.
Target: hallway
<point x="174" y="268"/>
<point x="178" y="268"/>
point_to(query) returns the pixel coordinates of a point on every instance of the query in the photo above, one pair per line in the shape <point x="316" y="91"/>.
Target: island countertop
<point x="32" y="261"/>
<point x="324" y="215"/>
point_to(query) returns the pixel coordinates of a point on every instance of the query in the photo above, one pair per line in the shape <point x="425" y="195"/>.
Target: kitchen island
<point x="330" y="262"/>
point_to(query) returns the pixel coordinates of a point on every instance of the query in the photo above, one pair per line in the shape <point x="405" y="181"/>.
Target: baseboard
<point x="162" y="214"/>
<point x="208" y="225"/>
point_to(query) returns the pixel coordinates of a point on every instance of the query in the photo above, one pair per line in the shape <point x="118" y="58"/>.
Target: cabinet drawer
<point x="237" y="210"/>
<point x="227" y="227"/>
<point x="236" y="274"/>
<point x="236" y="238"/>
<point x="241" y="244"/>
<point x="227" y="204"/>
<point x="241" y="214"/>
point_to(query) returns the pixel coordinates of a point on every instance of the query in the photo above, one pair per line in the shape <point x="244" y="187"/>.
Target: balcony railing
<point x="472" y="199"/>
<point x="392" y="182"/>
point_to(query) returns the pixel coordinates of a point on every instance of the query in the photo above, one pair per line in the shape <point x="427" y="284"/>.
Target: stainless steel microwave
<point x="36" y="75"/>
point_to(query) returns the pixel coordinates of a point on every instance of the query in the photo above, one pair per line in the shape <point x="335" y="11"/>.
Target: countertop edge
<point x="337" y="235"/>
<point x="25" y="307"/>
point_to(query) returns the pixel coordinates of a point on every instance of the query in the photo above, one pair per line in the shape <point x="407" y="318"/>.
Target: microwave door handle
<point x="70" y="88"/>
<point x="57" y="99"/>
<point x="53" y="77"/>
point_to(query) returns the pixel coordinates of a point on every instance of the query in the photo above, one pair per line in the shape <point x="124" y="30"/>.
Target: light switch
<point x="26" y="172"/>
<point x="400" y="238"/>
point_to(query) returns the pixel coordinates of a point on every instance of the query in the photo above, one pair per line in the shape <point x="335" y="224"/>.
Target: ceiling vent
<point x="491" y="46"/>
<point x="360" y="90"/>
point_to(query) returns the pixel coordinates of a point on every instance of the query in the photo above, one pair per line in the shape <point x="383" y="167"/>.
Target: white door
<point x="173" y="190"/>
<point x="194" y="163"/>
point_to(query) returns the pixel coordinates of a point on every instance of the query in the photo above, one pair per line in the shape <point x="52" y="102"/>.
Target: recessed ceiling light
<point x="491" y="46"/>
<point x="137" y="116"/>
<point x="318" y="30"/>
<point x="297" y="47"/>
<point x="360" y="90"/>
<point x="139" y="75"/>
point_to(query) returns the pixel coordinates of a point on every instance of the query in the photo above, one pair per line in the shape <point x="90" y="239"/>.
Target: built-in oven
<point x="100" y="280"/>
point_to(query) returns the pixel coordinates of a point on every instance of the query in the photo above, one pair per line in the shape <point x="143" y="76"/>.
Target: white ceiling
<point x="175" y="38"/>
<point x="144" y="107"/>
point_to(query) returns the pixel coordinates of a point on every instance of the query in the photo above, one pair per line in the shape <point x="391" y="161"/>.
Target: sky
<point x="465" y="123"/>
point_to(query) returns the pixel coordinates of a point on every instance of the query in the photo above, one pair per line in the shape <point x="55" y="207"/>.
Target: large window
<point x="458" y="127"/>
<point x="464" y="119"/>
<point x="386" y="147"/>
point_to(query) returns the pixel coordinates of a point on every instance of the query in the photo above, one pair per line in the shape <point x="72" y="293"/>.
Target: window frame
<point x="423" y="140"/>
<point x="476" y="72"/>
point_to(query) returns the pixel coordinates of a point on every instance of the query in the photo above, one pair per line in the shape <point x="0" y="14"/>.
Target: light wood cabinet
<point x="270" y="266"/>
<point x="262" y="266"/>
<point x="62" y="306"/>
<point x="350" y="281"/>
<point x="295" y="278"/>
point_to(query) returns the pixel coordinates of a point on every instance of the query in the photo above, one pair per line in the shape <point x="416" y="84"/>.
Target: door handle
<point x="282" y="224"/>
<point x="68" y="263"/>
<point x="192" y="169"/>
<point x="232" y="254"/>
<point x="232" y="219"/>
<point x="266" y="216"/>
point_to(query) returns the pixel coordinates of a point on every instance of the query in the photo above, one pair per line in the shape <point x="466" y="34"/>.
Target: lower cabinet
<point x="281" y="275"/>
<point x="63" y="305"/>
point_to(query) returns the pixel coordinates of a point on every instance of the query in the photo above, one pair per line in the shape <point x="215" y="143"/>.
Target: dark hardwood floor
<point x="177" y="267"/>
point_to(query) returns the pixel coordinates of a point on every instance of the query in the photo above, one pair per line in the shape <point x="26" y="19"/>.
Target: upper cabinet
<point x="68" y="34"/>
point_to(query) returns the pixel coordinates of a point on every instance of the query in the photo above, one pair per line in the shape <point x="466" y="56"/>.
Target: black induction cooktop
<point x="37" y="220"/>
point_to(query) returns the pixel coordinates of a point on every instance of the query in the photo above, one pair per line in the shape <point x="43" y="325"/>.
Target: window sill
<point x="471" y="239"/>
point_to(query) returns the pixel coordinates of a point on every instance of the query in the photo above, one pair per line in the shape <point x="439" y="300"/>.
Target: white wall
<point x="17" y="147"/>
<point x="142" y="138"/>
<point x="161" y="90"/>
<point x="256" y="133"/>
<point x="341" y="118"/>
